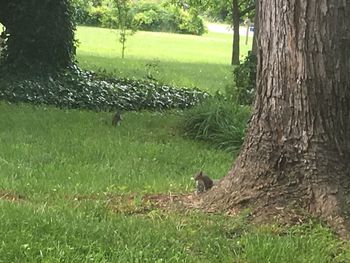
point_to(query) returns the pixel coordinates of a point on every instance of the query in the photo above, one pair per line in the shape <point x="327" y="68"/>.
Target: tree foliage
<point x="221" y="10"/>
<point x="39" y="34"/>
<point x="242" y="90"/>
<point x="230" y="11"/>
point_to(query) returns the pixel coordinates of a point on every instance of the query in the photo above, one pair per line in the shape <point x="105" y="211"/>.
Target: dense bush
<point x="145" y="16"/>
<point x="218" y="121"/>
<point x="87" y="91"/>
<point x="154" y="17"/>
<point x="192" y="23"/>
<point x="102" y="16"/>
<point x="81" y="11"/>
<point x="243" y="89"/>
<point x="167" y="18"/>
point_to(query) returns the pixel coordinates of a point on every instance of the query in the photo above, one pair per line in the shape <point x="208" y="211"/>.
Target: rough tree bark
<point x="297" y="150"/>
<point x="235" y="42"/>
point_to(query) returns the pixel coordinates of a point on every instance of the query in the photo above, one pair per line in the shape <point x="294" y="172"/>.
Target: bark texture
<point x="296" y="153"/>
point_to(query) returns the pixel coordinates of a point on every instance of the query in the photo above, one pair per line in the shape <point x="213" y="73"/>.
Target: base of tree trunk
<point x="296" y="152"/>
<point x="288" y="194"/>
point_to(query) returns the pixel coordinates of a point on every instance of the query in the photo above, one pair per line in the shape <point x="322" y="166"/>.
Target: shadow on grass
<point x="205" y="76"/>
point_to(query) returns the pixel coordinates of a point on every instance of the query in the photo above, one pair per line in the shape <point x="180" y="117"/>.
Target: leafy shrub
<point x="218" y="121"/>
<point x="81" y="11"/>
<point x="191" y="23"/>
<point x="86" y="91"/>
<point x="102" y="16"/>
<point x="153" y="17"/>
<point x="167" y="18"/>
<point x="145" y="16"/>
<point x="243" y="89"/>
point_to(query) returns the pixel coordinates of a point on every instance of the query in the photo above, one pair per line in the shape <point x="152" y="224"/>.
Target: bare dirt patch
<point x="10" y="196"/>
<point x="142" y="203"/>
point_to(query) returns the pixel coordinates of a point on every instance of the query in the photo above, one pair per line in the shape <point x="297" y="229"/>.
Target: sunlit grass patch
<point x="183" y="60"/>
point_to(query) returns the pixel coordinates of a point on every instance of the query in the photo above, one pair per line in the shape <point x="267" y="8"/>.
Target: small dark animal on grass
<point x="117" y="119"/>
<point x="203" y="182"/>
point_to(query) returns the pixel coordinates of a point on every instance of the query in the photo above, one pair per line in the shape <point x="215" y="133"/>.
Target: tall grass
<point x="217" y="121"/>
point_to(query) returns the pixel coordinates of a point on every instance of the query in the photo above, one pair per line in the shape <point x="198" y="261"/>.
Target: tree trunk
<point x="297" y="150"/>
<point x="40" y="34"/>
<point x="4" y="14"/>
<point x="256" y="29"/>
<point x="235" y="43"/>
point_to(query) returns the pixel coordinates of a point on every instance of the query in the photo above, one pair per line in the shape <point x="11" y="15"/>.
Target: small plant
<point x="152" y="69"/>
<point x="243" y="89"/>
<point x="217" y="121"/>
<point x="125" y="25"/>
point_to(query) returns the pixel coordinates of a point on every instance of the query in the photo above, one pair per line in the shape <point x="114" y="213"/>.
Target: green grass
<point x="183" y="60"/>
<point x="53" y="151"/>
<point x="71" y="184"/>
<point x="51" y="157"/>
<point x="88" y="234"/>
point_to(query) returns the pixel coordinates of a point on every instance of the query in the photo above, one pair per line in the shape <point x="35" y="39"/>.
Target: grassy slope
<point x="184" y="60"/>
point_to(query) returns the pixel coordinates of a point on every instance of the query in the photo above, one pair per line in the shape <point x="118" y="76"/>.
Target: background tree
<point x="236" y="38"/>
<point x="256" y="29"/>
<point x="297" y="149"/>
<point x="40" y="34"/>
<point x="240" y="8"/>
<point x="231" y="11"/>
<point x="125" y="22"/>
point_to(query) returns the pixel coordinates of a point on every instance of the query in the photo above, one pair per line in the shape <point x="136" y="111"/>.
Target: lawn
<point x="50" y="151"/>
<point x="182" y="60"/>
<point x="75" y="189"/>
<point x="72" y="188"/>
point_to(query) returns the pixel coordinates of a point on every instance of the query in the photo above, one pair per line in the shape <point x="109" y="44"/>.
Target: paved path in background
<point x="226" y="29"/>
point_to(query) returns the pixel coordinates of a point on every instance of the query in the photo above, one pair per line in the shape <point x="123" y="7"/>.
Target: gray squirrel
<point x="117" y="119"/>
<point x="203" y="182"/>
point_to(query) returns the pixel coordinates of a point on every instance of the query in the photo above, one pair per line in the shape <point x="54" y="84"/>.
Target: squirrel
<point x="116" y="119"/>
<point x="203" y="182"/>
